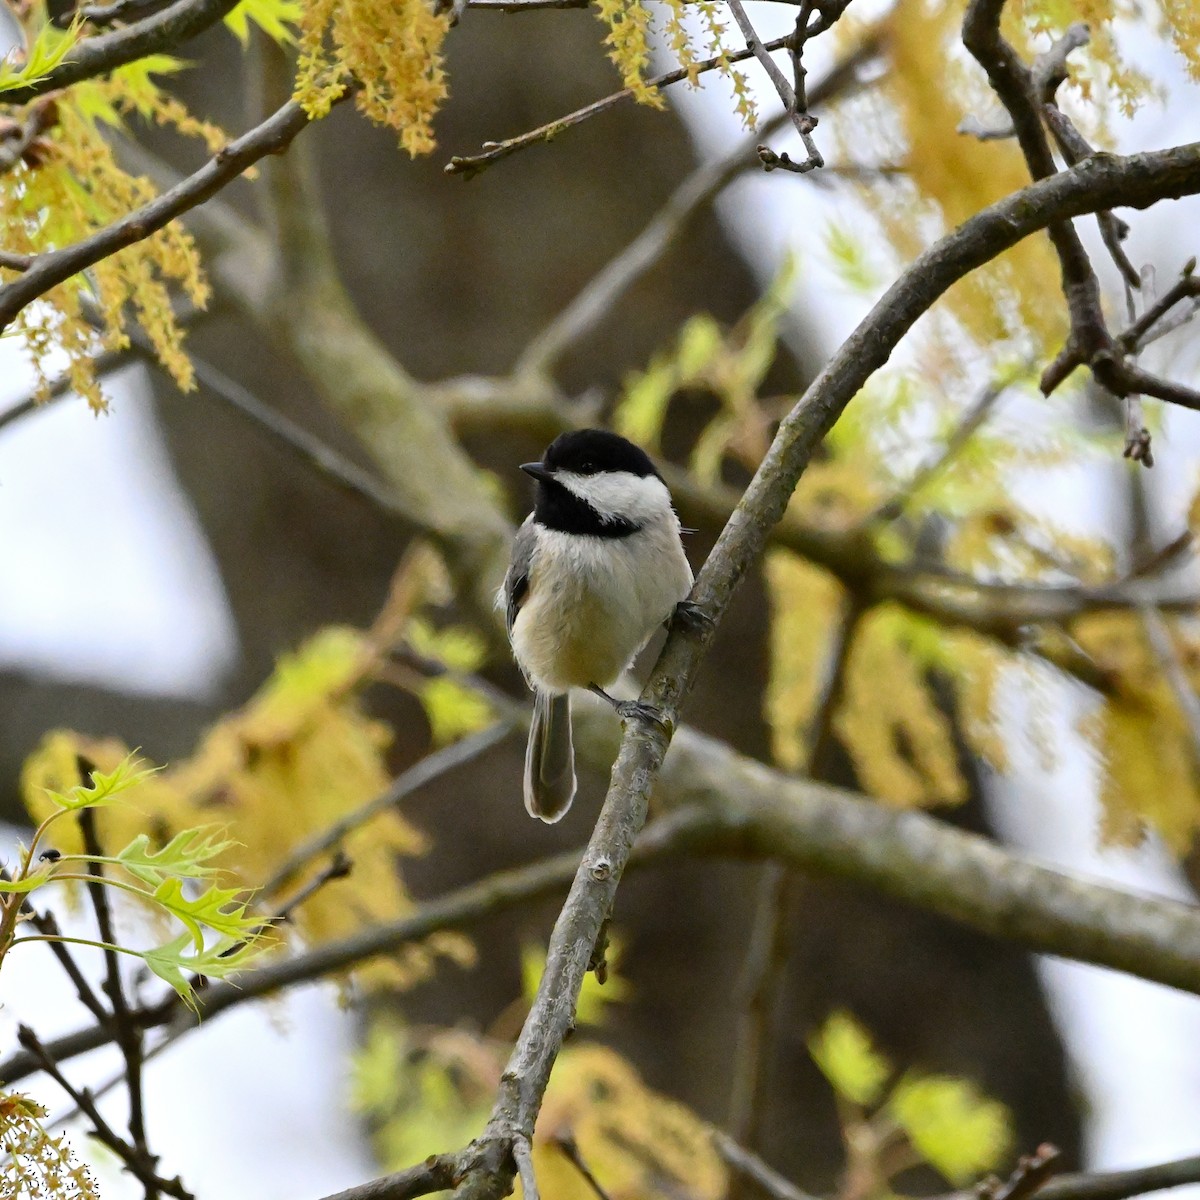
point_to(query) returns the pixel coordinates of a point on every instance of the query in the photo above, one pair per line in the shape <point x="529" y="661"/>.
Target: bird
<point x="596" y="568"/>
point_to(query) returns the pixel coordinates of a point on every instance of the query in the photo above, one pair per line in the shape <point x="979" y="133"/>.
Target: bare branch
<point x="779" y="892"/>
<point x="137" y="1160"/>
<point x="1111" y="1185"/>
<point x="438" y="1173"/>
<point x="1119" y="1185"/>
<point x="604" y="290"/>
<point x="1186" y="287"/>
<point x="471" y="164"/>
<point x="748" y="1164"/>
<point x="431" y="767"/>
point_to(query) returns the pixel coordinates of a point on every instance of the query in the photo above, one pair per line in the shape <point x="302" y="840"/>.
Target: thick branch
<point x="1101" y="182"/>
<point x="733" y="805"/>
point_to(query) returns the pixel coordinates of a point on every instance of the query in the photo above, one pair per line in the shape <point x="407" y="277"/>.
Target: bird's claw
<point x="689" y="614"/>
<point x="635" y="710"/>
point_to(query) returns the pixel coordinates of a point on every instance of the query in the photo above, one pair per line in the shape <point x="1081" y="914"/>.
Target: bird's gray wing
<point x="516" y="582"/>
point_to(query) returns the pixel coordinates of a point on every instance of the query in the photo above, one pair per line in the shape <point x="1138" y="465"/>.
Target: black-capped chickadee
<point x="596" y="568"/>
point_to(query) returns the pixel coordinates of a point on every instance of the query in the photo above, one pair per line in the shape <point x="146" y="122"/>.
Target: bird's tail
<point x="550" y="758"/>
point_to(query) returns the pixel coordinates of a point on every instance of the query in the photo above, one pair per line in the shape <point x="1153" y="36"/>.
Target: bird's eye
<point x="587" y="468"/>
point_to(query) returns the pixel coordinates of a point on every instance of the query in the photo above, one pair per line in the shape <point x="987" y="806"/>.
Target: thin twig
<point x="1119" y="1185"/>
<point x="128" y="1033"/>
<point x="55" y="266"/>
<point x="968" y="425"/>
<point x="471" y="164"/>
<point x="602" y="292"/>
<point x="748" y="1164"/>
<point x="569" y="1147"/>
<point x="138" y="1162"/>
<point x="421" y="774"/>
<point x="1187" y="286"/>
<point x="523" y="1154"/>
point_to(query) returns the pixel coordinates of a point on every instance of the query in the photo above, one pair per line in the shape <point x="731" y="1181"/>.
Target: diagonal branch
<point x="1101" y="182"/>
<point x="48" y="270"/>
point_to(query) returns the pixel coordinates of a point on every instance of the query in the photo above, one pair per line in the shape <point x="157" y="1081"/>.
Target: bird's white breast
<point x="594" y="602"/>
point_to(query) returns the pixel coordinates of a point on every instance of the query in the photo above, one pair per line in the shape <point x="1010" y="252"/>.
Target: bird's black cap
<point x="592" y="451"/>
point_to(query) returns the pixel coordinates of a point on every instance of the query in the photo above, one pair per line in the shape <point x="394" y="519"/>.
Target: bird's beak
<point x="538" y="471"/>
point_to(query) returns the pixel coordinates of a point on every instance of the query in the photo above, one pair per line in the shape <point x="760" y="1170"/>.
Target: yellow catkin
<point x="628" y="43"/>
<point x="392" y="47"/>
<point x="806" y="606"/>
<point x="73" y="188"/>
<point x="901" y="743"/>
<point x="638" y="1143"/>
<point x="931" y="91"/>
<point x="1140" y="734"/>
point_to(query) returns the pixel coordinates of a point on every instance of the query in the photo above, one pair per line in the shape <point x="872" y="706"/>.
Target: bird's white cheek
<point x="620" y="495"/>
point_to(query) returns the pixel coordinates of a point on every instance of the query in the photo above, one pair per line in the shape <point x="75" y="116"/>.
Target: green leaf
<point x="642" y="409"/>
<point x="455" y="646"/>
<point x="276" y="18"/>
<point x="216" y="908"/>
<point x="700" y="343"/>
<point x="850" y="258"/>
<point x="49" y="48"/>
<point x="454" y="710"/>
<point x="139" y="90"/>
<point x="843" y="1051"/>
<point x="103" y="788"/>
<point x="183" y="857"/>
<point x="216" y="961"/>
<point x="952" y="1125"/>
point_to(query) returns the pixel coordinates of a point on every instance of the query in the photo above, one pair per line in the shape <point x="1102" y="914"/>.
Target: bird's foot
<point x="632" y="710"/>
<point x="691" y="616"/>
